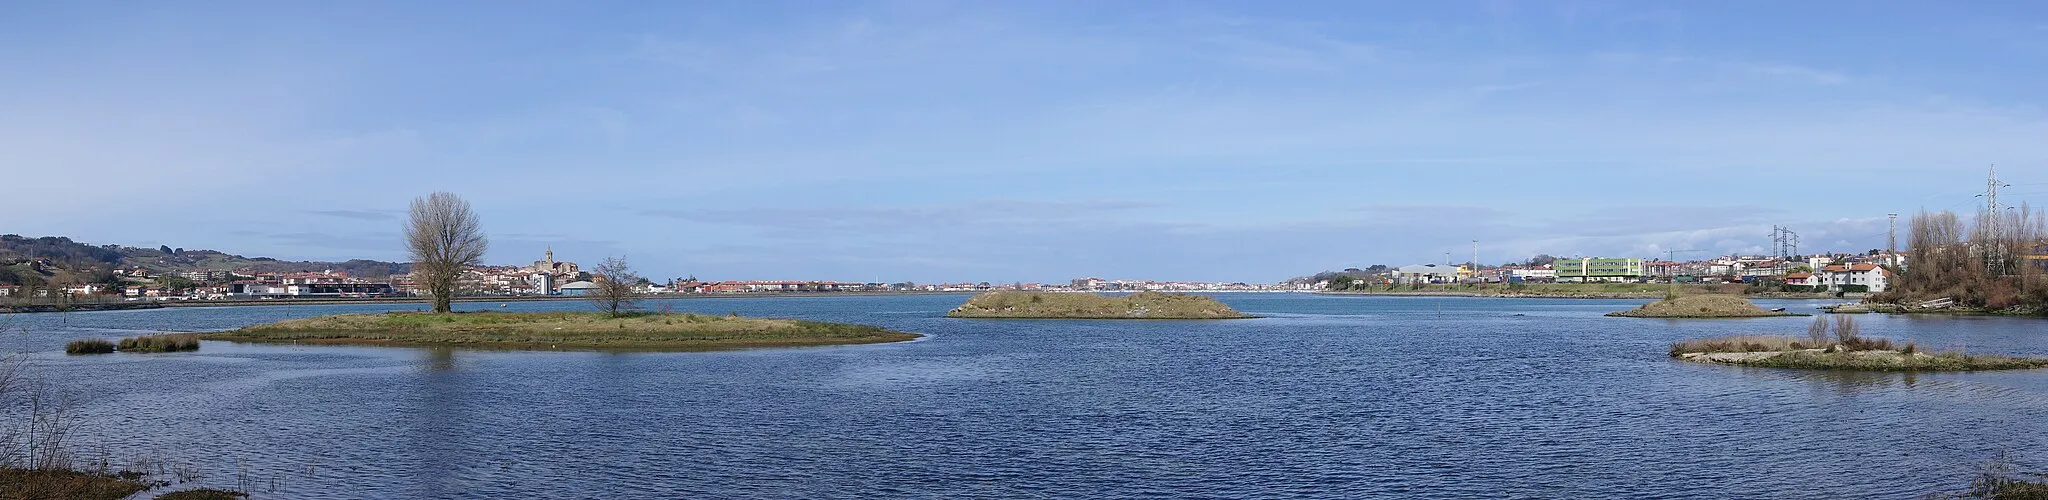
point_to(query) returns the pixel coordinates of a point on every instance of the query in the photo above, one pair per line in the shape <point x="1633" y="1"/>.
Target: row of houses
<point x="1093" y="284"/>
<point x="692" y="286"/>
<point x="1840" y="272"/>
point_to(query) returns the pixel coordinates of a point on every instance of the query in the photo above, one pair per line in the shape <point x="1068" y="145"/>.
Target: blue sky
<point x="1025" y="141"/>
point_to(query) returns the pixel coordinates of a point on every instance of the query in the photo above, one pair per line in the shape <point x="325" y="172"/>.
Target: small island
<point x="1006" y="304"/>
<point x="1841" y="349"/>
<point x="561" y="331"/>
<point x="1701" y="306"/>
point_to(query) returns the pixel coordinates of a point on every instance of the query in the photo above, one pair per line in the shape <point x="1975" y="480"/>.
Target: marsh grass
<point x="88" y="346"/>
<point x="173" y="342"/>
<point x="203" y="494"/>
<point x="562" y="330"/>
<point x="1741" y="343"/>
<point x="65" y="484"/>
<point x="1051" y="305"/>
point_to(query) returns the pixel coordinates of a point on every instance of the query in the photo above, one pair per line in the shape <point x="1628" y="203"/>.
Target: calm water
<point x="1325" y="397"/>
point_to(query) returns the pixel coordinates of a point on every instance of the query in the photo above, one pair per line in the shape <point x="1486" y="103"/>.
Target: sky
<point x="1016" y="141"/>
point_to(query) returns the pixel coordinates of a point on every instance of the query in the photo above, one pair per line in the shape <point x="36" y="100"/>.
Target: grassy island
<point x="1701" y="306"/>
<point x="1049" y="305"/>
<point x="1844" y="350"/>
<point x="561" y="330"/>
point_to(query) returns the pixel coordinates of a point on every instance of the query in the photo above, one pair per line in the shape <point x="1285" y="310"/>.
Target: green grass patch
<point x="174" y="342"/>
<point x="562" y="330"/>
<point x="88" y="346"/>
<point x="1053" y="305"/>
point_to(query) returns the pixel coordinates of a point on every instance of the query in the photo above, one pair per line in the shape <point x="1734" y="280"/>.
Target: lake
<point x="1326" y="396"/>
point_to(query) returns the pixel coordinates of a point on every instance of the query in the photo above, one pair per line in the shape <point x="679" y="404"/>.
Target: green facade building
<point x="1597" y="269"/>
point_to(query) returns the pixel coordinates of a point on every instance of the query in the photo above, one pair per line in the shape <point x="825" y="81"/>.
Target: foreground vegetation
<point x="1050" y="305"/>
<point x="66" y="484"/>
<point x="1841" y="348"/>
<point x="1998" y="480"/>
<point x="1700" y="306"/>
<point x="561" y="330"/>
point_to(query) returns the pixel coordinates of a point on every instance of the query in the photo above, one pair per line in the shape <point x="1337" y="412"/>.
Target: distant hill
<point x="71" y="255"/>
<point x="1354" y="273"/>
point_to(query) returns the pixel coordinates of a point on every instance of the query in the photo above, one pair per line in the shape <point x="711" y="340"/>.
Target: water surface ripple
<point x="1324" y="397"/>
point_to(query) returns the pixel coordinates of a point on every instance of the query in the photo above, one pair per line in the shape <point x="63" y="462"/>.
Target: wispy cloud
<point x="1497" y="88"/>
<point x="367" y="215"/>
<point x="1792" y="72"/>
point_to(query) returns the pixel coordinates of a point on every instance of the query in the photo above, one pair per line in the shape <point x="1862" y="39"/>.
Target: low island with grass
<point x="1006" y="304"/>
<point x="169" y="342"/>
<point x="640" y="331"/>
<point x="1701" y="307"/>
<point x="1843" y="348"/>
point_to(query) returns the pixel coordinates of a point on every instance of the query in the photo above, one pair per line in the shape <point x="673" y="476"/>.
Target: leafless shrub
<point x="617" y="291"/>
<point x="1817" y="333"/>
<point x="1845" y="328"/>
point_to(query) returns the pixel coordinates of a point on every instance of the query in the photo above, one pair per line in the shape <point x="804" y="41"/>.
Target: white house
<point x="1875" y="277"/>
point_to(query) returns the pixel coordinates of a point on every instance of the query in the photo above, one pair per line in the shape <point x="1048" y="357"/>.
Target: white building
<point x="1835" y="277"/>
<point x="1426" y="273"/>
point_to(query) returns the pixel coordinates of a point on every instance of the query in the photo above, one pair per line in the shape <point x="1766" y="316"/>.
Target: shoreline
<point x="557" y="346"/>
<point x="117" y="306"/>
<point x="1865" y="361"/>
<point x="560" y="331"/>
<point x="1571" y="295"/>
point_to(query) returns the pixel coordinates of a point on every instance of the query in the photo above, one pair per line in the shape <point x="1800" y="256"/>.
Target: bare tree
<point x="617" y="287"/>
<point x="444" y="237"/>
<point x="1993" y="265"/>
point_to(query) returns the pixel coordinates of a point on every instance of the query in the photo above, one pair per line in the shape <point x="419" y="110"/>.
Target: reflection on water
<point x="1324" y="397"/>
<point x="439" y="440"/>
<point x="1841" y="382"/>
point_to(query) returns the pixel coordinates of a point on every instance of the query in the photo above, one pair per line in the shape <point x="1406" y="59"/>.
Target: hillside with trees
<point x="77" y="262"/>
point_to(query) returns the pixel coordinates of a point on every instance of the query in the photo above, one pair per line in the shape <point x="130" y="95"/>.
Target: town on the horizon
<point x="1840" y="272"/>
